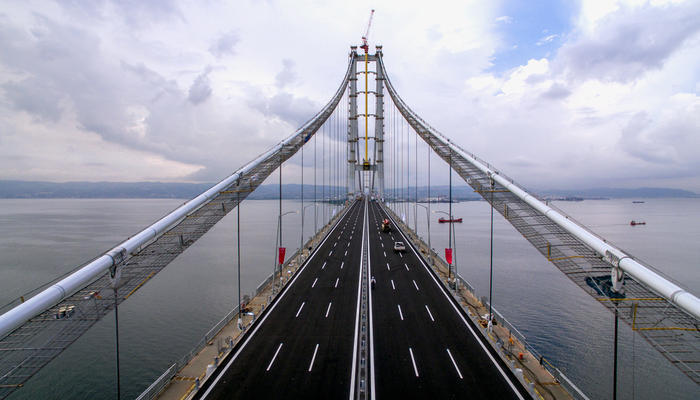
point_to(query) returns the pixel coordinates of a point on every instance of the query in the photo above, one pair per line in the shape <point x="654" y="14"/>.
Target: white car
<point x="399" y="246"/>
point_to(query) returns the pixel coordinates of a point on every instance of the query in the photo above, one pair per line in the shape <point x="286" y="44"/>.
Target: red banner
<point x="282" y="251"/>
<point x="448" y="256"/>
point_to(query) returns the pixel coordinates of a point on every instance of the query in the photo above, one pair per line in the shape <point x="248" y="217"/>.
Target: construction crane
<point x="365" y="46"/>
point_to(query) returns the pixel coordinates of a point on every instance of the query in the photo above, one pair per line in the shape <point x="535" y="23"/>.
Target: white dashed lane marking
<point x="429" y="313"/>
<point x="300" y="307"/>
<point x="275" y="356"/>
<point x="415" y="368"/>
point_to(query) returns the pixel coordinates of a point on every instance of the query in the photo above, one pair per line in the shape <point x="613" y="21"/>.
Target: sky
<point x="556" y="94"/>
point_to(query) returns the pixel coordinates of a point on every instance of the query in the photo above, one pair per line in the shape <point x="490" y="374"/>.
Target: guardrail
<point x="158" y="385"/>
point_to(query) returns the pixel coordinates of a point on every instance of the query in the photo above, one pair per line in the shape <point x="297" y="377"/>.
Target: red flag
<point x="448" y="256"/>
<point x="282" y="250"/>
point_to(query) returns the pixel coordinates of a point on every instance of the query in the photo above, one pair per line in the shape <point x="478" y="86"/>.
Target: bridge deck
<point x="422" y="343"/>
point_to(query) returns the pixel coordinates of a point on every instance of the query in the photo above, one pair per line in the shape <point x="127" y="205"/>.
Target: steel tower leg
<point x="352" y="125"/>
<point x="379" y="127"/>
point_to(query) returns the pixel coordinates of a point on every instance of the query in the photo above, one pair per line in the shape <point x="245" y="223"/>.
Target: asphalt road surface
<point x="303" y="346"/>
<point x="424" y="346"/>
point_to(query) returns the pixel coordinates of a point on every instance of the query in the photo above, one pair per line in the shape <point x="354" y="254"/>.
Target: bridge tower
<point x="352" y="125"/>
<point x="369" y="172"/>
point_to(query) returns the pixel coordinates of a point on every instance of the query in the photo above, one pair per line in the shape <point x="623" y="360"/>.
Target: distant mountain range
<point x="159" y="190"/>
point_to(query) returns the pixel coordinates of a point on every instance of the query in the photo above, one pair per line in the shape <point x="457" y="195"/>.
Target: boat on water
<point x="445" y="220"/>
<point x="633" y="223"/>
<point x="637" y="201"/>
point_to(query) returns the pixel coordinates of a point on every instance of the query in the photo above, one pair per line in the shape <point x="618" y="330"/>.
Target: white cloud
<point x="190" y="90"/>
<point x="504" y="19"/>
<point x="546" y="39"/>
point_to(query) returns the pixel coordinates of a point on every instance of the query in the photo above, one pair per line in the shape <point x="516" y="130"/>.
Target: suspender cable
<point x="238" y="251"/>
<point x="301" y="236"/>
<point x="315" y="197"/>
<point x="323" y="176"/>
<point x="116" y="337"/>
<point x="415" y="208"/>
<point x="449" y="230"/>
<point x="491" y="257"/>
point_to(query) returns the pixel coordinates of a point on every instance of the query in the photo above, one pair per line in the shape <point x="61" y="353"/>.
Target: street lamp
<point x="278" y="246"/>
<point x="430" y="248"/>
<point x="301" y="240"/>
<point x="451" y="230"/>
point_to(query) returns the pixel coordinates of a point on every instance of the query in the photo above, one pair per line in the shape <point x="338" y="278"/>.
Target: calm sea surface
<point x="43" y="239"/>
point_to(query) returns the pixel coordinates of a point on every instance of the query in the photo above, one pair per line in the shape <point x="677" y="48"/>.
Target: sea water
<point x="43" y="239"/>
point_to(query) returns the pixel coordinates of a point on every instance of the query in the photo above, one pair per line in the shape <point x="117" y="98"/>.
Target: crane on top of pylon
<point x="365" y="46"/>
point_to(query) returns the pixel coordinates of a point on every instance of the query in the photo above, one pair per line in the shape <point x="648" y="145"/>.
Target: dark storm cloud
<point x="224" y="45"/>
<point x="631" y="41"/>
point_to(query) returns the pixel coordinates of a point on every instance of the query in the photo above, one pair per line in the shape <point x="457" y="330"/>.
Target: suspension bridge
<point x="365" y="308"/>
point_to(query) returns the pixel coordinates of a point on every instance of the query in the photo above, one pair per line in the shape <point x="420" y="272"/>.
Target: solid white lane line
<point x="341" y="264"/>
<point x="300" y="307"/>
<point x="371" y="324"/>
<point x="400" y="313"/>
<point x="406" y="265"/>
<point x="387" y="267"/>
<point x="336" y="282"/>
<point x="429" y="313"/>
<point x="415" y="284"/>
<point x="275" y="356"/>
<point x="357" y="319"/>
<point x="415" y="369"/>
<point x="346" y="252"/>
<point x="392" y="285"/>
<point x="314" y="284"/>
<point x="454" y="363"/>
<point x="329" y="308"/>
<point x="311" y="365"/>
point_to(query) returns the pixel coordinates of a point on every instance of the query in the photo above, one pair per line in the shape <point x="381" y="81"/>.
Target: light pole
<point x="451" y="230"/>
<point x="430" y="248"/>
<point x="301" y="240"/>
<point x="278" y="245"/>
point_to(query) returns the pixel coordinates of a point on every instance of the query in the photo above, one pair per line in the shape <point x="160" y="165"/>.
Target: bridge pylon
<point x="369" y="172"/>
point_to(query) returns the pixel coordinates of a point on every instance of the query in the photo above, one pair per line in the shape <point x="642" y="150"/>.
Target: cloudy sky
<point x="557" y="94"/>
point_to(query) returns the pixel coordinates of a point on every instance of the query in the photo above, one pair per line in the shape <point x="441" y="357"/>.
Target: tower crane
<point x="365" y="46"/>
